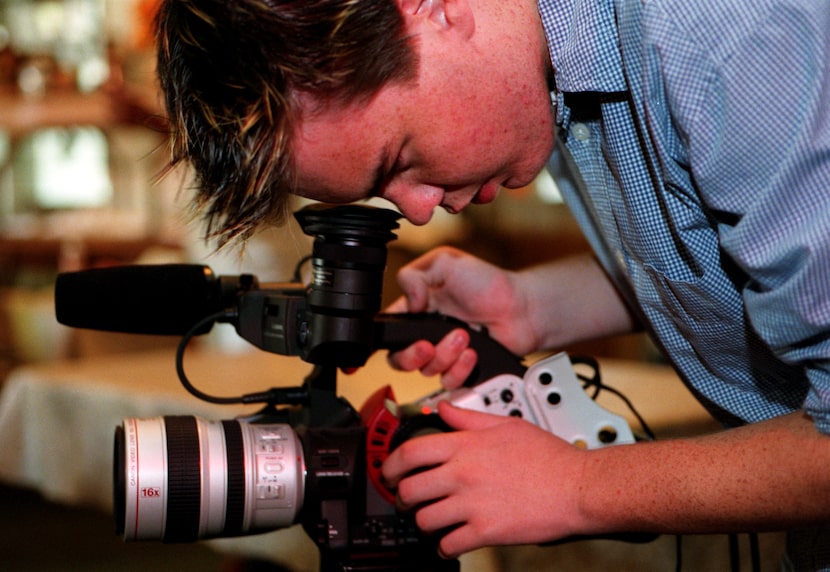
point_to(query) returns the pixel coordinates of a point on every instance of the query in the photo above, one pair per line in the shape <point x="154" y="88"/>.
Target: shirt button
<point x="581" y="131"/>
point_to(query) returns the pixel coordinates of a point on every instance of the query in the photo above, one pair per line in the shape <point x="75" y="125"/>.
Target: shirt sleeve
<point x="751" y="100"/>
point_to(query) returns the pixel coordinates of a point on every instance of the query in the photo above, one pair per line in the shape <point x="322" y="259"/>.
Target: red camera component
<point x="379" y="415"/>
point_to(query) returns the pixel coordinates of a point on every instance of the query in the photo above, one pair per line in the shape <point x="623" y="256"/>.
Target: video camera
<point x="308" y="456"/>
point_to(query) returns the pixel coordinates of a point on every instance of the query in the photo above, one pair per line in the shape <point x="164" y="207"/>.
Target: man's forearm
<point x="572" y="300"/>
<point x="767" y="476"/>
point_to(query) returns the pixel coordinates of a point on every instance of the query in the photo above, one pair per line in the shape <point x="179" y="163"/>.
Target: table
<point x="57" y="419"/>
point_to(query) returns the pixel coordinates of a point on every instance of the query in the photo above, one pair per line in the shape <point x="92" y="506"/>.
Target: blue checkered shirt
<point x="696" y="135"/>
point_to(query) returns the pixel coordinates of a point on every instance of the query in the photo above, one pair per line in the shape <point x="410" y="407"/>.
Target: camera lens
<point x="348" y="263"/>
<point x="181" y="478"/>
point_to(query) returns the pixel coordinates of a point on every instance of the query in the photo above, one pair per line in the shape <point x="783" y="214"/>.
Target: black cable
<point x="596" y="382"/>
<point x="678" y="552"/>
<point x="734" y="554"/>
<point x="219" y="316"/>
<point x="754" y="552"/>
<point x="273" y="396"/>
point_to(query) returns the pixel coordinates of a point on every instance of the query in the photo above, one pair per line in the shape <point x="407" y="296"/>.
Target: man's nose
<point x="415" y="201"/>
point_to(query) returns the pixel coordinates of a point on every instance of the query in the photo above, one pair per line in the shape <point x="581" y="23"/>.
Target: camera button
<point x="271" y="447"/>
<point x="273" y="467"/>
<point x="270" y="491"/>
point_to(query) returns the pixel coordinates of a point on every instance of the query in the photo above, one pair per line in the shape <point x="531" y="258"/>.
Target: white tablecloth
<point x="57" y="419"/>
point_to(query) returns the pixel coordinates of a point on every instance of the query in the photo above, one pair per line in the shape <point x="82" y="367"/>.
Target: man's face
<point x="472" y="122"/>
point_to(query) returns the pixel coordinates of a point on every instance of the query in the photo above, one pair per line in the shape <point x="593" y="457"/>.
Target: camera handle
<point x="396" y="331"/>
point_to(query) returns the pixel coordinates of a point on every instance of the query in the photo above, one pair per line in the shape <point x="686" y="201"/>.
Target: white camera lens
<point x="181" y="478"/>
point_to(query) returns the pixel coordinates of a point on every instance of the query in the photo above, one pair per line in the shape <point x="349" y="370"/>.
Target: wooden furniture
<point x="105" y="108"/>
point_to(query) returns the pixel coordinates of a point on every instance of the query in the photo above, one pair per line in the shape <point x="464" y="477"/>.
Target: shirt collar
<point x="583" y="42"/>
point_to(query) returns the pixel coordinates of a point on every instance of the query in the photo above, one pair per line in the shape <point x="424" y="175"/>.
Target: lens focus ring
<point x="183" y="479"/>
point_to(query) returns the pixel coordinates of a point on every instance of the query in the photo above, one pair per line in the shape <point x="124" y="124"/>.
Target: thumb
<point x="399" y="306"/>
<point x="466" y="419"/>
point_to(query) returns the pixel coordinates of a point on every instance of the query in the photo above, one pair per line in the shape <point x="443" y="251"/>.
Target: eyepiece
<point x="348" y="262"/>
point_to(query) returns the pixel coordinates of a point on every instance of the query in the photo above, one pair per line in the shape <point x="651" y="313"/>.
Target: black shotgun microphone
<point x="162" y="299"/>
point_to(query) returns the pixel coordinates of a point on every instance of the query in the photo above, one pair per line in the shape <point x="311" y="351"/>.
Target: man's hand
<point x="457" y="284"/>
<point x="495" y="480"/>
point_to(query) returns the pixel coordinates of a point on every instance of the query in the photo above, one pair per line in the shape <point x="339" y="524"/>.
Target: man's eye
<point x="400" y="166"/>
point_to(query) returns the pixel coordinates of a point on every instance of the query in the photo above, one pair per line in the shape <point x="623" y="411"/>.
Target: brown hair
<point x="230" y="72"/>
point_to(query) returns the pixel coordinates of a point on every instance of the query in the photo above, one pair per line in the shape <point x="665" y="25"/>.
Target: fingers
<point x="447" y="353"/>
<point x="434" y="450"/>
<point x="434" y="496"/>
<point x="465" y="484"/>
<point x="428" y="286"/>
<point x="441" y="515"/>
<point x="426" y="451"/>
<point x="459" y="371"/>
<point x="468" y="420"/>
<point x="416" y="287"/>
<point x="451" y="357"/>
<point x="429" y="274"/>
<point x="399" y="306"/>
<point x="451" y="516"/>
<point x="461" y="540"/>
<point x="420" y="489"/>
<point x="414" y="357"/>
<point x="453" y="481"/>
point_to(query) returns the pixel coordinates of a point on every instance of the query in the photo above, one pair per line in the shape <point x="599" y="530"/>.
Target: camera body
<point x="307" y="457"/>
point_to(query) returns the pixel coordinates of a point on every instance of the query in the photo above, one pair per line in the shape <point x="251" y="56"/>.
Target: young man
<point x="699" y="138"/>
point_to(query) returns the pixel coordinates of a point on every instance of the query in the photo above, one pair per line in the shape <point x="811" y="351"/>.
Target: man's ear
<point x="456" y="15"/>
